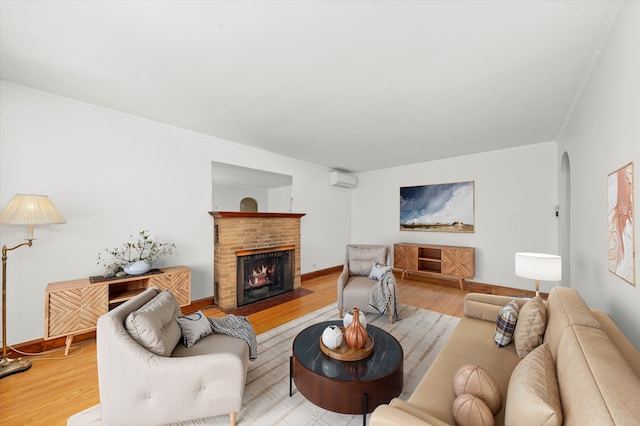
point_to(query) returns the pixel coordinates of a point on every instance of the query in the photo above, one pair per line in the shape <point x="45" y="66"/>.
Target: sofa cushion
<point x="477" y="381"/>
<point x="532" y="321"/>
<point x="597" y="385"/>
<point x="154" y="325"/>
<point x="360" y="268"/>
<point x="533" y="397"/>
<point x="362" y="258"/>
<point x="470" y="410"/>
<point x="194" y="327"/>
<point x="470" y="343"/>
<point x="506" y="324"/>
<point x="487" y="306"/>
<point x="565" y="307"/>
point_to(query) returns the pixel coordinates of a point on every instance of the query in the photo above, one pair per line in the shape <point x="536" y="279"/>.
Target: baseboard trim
<point x="472" y="286"/>
<point x="41" y="345"/>
<point x="321" y="273"/>
<point x="196" y="305"/>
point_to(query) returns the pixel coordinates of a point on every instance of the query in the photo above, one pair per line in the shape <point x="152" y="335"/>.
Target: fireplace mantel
<point x="259" y="215"/>
<point x="236" y="233"/>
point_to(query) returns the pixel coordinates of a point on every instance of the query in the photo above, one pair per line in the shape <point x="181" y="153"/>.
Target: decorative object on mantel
<point x="26" y="210"/>
<point x="134" y="257"/>
<point x="356" y="335"/>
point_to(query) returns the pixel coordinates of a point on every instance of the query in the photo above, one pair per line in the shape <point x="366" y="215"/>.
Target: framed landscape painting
<point x="447" y="207"/>
<point x="621" y="222"/>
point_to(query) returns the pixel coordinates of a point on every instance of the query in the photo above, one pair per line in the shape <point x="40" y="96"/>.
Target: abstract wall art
<point x="621" y="223"/>
<point x="447" y="207"/>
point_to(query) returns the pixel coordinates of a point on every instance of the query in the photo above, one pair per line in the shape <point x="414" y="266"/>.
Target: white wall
<point x="602" y="135"/>
<point x="279" y="199"/>
<point x="515" y="199"/>
<point x="111" y="175"/>
<point x="228" y="198"/>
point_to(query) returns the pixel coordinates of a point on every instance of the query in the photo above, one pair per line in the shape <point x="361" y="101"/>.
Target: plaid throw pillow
<point x="506" y="324"/>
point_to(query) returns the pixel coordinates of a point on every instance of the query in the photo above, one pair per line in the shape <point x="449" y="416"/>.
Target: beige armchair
<point x="138" y="387"/>
<point x="354" y="286"/>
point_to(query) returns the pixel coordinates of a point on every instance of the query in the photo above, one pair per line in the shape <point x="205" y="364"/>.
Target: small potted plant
<point x="135" y="257"/>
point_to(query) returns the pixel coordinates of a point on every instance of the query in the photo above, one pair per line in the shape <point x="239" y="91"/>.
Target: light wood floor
<point x="52" y="391"/>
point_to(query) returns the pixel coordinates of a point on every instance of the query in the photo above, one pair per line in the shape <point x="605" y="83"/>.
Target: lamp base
<point x="10" y="366"/>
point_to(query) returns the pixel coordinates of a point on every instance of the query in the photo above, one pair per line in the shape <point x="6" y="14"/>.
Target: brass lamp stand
<point x="8" y="365"/>
<point x="26" y="210"/>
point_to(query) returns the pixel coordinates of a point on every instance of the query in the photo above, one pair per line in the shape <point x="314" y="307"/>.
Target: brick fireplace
<point x="237" y="235"/>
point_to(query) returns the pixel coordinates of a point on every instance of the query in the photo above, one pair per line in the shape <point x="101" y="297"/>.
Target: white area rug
<point x="266" y="401"/>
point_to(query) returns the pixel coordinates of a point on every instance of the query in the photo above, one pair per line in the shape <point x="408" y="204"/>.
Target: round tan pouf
<point x="469" y="410"/>
<point x="477" y="381"/>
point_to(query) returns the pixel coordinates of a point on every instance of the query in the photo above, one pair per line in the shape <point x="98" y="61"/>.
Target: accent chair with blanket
<point x="365" y="267"/>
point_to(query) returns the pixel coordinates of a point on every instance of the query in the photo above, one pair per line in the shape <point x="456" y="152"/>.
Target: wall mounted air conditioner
<point x="342" y="179"/>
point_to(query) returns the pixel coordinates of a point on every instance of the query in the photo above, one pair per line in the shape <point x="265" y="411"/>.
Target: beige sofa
<point x="139" y="387"/>
<point x="597" y="368"/>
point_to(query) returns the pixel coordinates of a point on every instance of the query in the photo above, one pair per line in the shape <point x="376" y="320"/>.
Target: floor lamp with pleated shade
<point x="27" y="210"/>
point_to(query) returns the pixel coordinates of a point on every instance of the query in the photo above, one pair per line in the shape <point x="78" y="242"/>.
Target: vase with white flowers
<point x="135" y="257"/>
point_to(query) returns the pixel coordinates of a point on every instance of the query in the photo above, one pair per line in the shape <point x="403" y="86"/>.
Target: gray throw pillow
<point x="194" y="328"/>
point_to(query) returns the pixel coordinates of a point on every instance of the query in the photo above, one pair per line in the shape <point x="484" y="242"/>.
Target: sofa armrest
<point x="342" y="281"/>
<point x="487" y="306"/>
<point x="624" y="345"/>
<point x="399" y="413"/>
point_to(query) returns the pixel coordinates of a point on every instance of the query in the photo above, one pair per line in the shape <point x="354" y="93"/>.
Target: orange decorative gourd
<point x="356" y="335"/>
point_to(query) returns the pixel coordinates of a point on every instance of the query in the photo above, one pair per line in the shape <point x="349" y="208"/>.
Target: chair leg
<point x="390" y="319"/>
<point x="232" y="418"/>
<point x="340" y="312"/>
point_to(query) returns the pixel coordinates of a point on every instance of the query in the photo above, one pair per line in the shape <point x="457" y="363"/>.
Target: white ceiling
<point x="351" y="85"/>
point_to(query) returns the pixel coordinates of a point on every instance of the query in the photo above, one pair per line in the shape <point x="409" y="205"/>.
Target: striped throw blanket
<point x="239" y="327"/>
<point x="383" y="293"/>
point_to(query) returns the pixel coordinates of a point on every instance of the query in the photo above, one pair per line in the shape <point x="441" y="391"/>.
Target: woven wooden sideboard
<point x="73" y="307"/>
<point x="453" y="261"/>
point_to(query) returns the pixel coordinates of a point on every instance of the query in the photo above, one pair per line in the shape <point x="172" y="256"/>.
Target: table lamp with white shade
<point x="539" y="267"/>
<point x="28" y="210"/>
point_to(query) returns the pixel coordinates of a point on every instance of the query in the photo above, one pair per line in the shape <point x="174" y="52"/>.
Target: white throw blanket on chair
<point x="381" y="294"/>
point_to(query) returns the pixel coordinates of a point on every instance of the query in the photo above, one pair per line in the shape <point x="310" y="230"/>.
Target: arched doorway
<point x="564" y="196"/>
<point x="248" y="205"/>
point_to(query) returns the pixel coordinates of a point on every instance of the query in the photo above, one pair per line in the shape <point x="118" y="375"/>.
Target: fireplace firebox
<point x="261" y="274"/>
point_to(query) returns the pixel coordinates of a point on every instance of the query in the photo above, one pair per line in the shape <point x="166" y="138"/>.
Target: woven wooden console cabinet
<point x="73" y="307"/>
<point x="452" y="261"/>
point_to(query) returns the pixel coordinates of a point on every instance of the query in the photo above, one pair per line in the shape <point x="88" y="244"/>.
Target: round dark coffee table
<point x="349" y="387"/>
